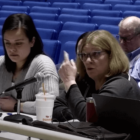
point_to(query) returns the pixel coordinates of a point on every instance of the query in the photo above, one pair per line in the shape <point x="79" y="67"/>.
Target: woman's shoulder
<point x="43" y="63"/>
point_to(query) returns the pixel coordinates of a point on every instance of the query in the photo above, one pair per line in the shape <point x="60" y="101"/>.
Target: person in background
<point x="23" y="59"/>
<point x="102" y="68"/>
<point x="129" y="37"/>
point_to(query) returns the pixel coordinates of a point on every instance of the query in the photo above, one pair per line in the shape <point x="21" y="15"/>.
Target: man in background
<point x="129" y="37"/>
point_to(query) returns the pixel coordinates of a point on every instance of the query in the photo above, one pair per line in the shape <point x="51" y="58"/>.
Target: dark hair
<point x="11" y="23"/>
<point x="79" y="38"/>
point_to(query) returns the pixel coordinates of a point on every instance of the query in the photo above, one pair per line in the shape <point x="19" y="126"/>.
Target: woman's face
<point x="17" y="45"/>
<point x="97" y="65"/>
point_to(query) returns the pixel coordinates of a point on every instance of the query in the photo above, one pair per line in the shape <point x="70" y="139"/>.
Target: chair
<point x="60" y="1"/>
<point x="66" y="5"/>
<point x="47" y="33"/>
<point x="131" y="13"/>
<point x="32" y="3"/>
<point x="52" y="48"/>
<point x="110" y="28"/>
<point x="83" y="12"/>
<point x="1" y="44"/>
<point x="136" y="2"/>
<point x="56" y="25"/>
<point x="69" y="47"/>
<point x="10" y="2"/>
<point x="82" y="27"/>
<point x="15" y="8"/>
<point x="106" y="13"/>
<point x="93" y="6"/>
<point x="7" y="13"/>
<point x="106" y="20"/>
<point x="113" y="2"/>
<point x="124" y="7"/>
<point x="44" y="16"/>
<point x="49" y="10"/>
<point x="66" y="35"/>
<point x="74" y="18"/>
<point x="1" y="29"/>
<point x="89" y="1"/>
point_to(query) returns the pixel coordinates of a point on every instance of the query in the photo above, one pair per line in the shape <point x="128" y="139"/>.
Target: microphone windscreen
<point x="39" y="76"/>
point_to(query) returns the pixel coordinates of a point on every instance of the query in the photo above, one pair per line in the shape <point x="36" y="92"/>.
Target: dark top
<point x="73" y="102"/>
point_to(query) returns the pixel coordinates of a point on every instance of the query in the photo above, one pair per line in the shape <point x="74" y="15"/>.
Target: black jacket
<point x="73" y="104"/>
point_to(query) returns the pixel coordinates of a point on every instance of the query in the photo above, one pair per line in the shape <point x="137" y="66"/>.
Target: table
<point x="14" y="131"/>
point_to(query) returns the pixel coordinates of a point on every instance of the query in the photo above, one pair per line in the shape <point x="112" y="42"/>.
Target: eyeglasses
<point x="93" y="55"/>
<point x="125" y="39"/>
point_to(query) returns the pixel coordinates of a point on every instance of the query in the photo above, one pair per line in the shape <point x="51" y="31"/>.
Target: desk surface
<point x="14" y="131"/>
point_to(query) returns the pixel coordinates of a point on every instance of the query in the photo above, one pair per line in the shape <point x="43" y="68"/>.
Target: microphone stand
<point x="18" y="117"/>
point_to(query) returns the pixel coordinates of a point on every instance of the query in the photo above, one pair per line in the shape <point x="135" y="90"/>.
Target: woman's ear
<point x="33" y="41"/>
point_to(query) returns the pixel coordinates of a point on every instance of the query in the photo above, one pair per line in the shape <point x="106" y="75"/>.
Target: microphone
<point x="38" y="77"/>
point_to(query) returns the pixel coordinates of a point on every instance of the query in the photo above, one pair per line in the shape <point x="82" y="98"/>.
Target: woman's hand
<point x="7" y="103"/>
<point x="67" y="72"/>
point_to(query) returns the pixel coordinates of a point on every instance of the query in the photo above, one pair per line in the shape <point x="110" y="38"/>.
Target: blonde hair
<point x="104" y="40"/>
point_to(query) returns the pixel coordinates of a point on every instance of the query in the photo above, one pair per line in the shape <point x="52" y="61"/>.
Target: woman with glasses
<point x="101" y="68"/>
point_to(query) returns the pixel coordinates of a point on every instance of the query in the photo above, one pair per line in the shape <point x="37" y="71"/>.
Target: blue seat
<point x="66" y="5"/>
<point x="113" y="29"/>
<point x="93" y="6"/>
<point x="89" y="1"/>
<point x="73" y="18"/>
<point x="113" y="2"/>
<point x="44" y="16"/>
<point x="83" y="12"/>
<point x="2" y="20"/>
<point x="136" y="2"/>
<point x="56" y="25"/>
<point x="33" y="3"/>
<point x="47" y="33"/>
<point x="66" y="35"/>
<point x="60" y="1"/>
<point x="10" y="2"/>
<point x="35" y="0"/>
<point x="16" y="8"/>
<point x="131" y="13"/>
<point x="7" y="13"/>
<point x="106" y="20"/>
<point x="52" y="48"/>
<point x="124" y="7"/>
<point x="40" y="9"/>
<point x="106" y="13"/>
<point x="82" y="27"/>
<point x="69" y="47"/>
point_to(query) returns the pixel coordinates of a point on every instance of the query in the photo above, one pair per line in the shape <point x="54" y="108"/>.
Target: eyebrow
<point x="15" y="40"/>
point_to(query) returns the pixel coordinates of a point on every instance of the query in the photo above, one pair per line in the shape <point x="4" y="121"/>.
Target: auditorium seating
<point x="66" y="5"/>
<point x="61" y="22"/>
<point x="43" y="16"/>
<point x="106" y="20"/>
<point x="32" y="3"/>
<point x="93" y="6"/>
<point x="82" y="27"/>
<point x="47" y="33"/>
<point x="45" y="10"/>
<point x="16" y="8"/>
<point x="83" y="12"/>
<point x="106" y="13"/>
<point x="68" y="47"/>
<point x="74" y="18"/>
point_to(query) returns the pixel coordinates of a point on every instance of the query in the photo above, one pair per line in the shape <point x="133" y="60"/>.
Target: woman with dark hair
<point x="24" y="58"/>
